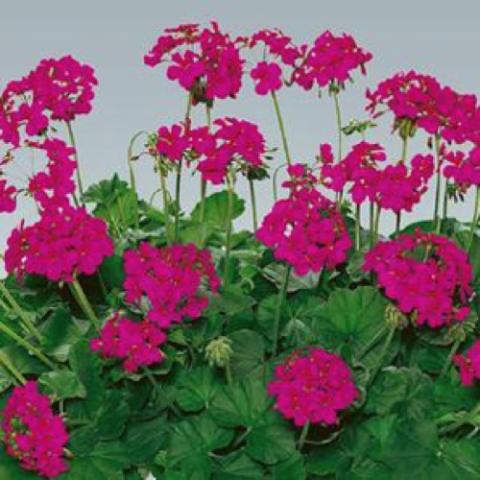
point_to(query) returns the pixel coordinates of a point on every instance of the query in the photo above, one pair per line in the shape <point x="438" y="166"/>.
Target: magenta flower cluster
<point x="313" y="386"/>
<point x="469" y="364"/>
<point x="426" y="275"/>
<point x="33" y="433"/>
<point x="305" y="230"/>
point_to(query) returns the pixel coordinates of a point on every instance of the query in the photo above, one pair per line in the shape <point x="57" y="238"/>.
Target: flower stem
<point x="377" y="221"/>
<point x="303" y="436"/>
<point x="339" y="123"/>
<point x="475" y="219"/>
<point x="74" y="145"/>
<point x="133" y="183"/>
<point x="26" y="345"/>
<point x="282" y="128"/>
<point x="203" y="194"/>
<point x="22" y="314"/>
<point x="438" y="185"/>
<point x="372" y="224"/>
<point x="451" y="354"/>
<point x="166" y="212"/>
<point x="11" y="367"/>
<point x="282" y="293"/>
<point x="358" y="213"/>
<point x="398" y="222"/>
<point x="228" y="239"/>
<point x="445" y="202"/>
<point x="254" y="204"/>
<point x="84" y="304"/>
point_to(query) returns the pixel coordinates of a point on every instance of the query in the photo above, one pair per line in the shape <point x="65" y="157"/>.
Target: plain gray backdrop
<point x="438" y="37"/>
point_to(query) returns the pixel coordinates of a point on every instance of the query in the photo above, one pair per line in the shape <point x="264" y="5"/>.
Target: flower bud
<point x="219" y="351"/>
<point x="394" y="318"/>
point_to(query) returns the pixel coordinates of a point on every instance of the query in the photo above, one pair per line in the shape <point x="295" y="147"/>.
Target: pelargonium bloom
<point x="33" y="433"/>
<point x="331" y="59"/>
<point x="137" y="343"/>
<point x="171" y="279"/>
<point x="205" y="62"/>
<point x="313" y="386"/>
<point x="8" y="202"/>
<point x="305" y="230"/>
<point x="267" y="77"/>
<point x="63" y="243"/>
<point x="463" y="168"/>
<point x="469" y="364"/>
<point x="427" y="275"/>
<point x="172" y="142"/>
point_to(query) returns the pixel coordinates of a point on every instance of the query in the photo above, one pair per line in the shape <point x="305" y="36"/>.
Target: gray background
<point x="436" y="37"/>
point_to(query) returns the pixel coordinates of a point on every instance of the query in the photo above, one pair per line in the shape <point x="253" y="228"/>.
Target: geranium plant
<point x="140" y="340"/>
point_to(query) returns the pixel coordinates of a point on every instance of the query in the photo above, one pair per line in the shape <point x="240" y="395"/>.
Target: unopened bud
<point x="219" y="351"/>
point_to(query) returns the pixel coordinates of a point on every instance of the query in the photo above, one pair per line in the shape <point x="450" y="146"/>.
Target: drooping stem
<point x="438" y="185"/>
<point x="84" y="304"/>
<point x="26" y="345"/>
<point x="475" y="219"/>
<point x="358" y="214"/>
<point x="131" y="172"/>
<point x="18" y="310"/>
<point x="282" y="293"/>
<point x="254" y="204"/>
<point x="338" y="115"/>
<point x="281" y="126"/>
<point x="74" y="145"/>
<point x="229" y="225"/>
<point x="303" y="436"/>
<point x="274" y="180"/>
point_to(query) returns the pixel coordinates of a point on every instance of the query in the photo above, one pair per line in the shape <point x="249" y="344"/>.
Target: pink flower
<point x="65" y="242"/>
<point x="313" y="386"/>
<point x="268" y="77"/>
<point x="469" y="364"/>
<point x="435" y="289"/>
<point x="172" y="142"/>
<point x="137" y="343"/>
<point x="462" y="168"/>
<point x="171" y="279"/>
<point x="33" y="433"/>
<point x="8" y="202"/>
<point x="305" y="230"/>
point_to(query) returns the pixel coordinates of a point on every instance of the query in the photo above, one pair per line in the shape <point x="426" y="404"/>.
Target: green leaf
<point x="270" y="443"/>
<point x="248" y="354"/>
<point x="216" y="209"/>
<point x="11" y="470"/>
<point x="241" y="404"/>
<point x="451" y="396"/>
<point x="88" y="367"/>
<point x="144" y="439"/>
<point x="62" y="384"/>
<point x="112" y="415"/>
<point x="291" y="468"/>
<point x="104" y="462"/>
<point x="238" y="466"/>
<point x="275" y="272"/>
<point x="196" y="389"/>
<point x="112" y="271"/>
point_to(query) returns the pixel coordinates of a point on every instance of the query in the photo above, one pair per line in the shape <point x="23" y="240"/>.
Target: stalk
<point x="303" y="436"/>
<point x="438" y="186"/>
<point x="228" y="240"/>
<point x="451" y="354"/>
<point x="254" y="204"/>
<point x="445" y="202"/>
<point x="372" y="224"/>
<point x="281" y="126"/>
<point x="282" y="293"/>
<point x="203" y="194"/>
<point x="131" y="172"/>
<point x="398" y="223"/>
<point x="22" y="314"/>
<point x="357" y="227"/>
<point x="377" y="221"/>
<point x="475" y="219"/>
<point x="166" y="213"/>
<point x="26" y="345"/>
<point x="12" y="369"/>
<point x="74" y="145"/>
<point x="84" y="304"/>
<point x="339" y="124"/>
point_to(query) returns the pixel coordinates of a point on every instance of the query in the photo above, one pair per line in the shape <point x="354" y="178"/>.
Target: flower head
<point x="33" y="433"/>
<point x="313" y="386"/>
<point x="469" y="364"/>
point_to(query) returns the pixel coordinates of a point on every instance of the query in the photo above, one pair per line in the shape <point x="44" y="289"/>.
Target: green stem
<point x="228" y="239"/>
<point x="404" y="150"/>
<point x="74" y="145"/>
<point x="303" y="436"/>
<point x="357" y="226"/>
<point x="448" y="361"/>
<point x="22" y="314"/>
<point x="133" y="183"/>
<point x="445" y="202"/>
<point x="203" y="195"/>
<point x="11" y="367"/>
<point x="282" y="293"/>
<point x="438" y="185"/>
<point x="274" y="180"/>
<point x="84" y="304"/>
<point x="398" y="223"/>
<point x="475" y="219"/>
<point x="372" y="224"/>
<point x="373" y="341"/>
<point x="383" y="353"/>
<point x="228" y="374"/>
<point x="166" y="212"/>
<point x="339" y="123"/>
<point x="377" y="221"/>
<point x="282" y="128"/>
<point x="26" y="345"/>
<point x="254" y="204"/>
